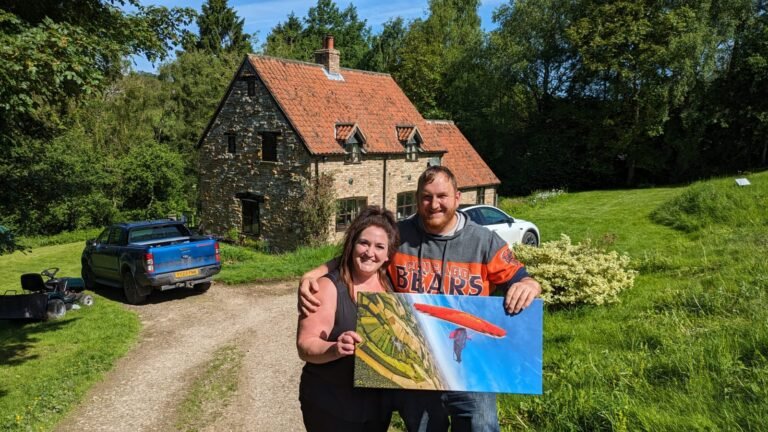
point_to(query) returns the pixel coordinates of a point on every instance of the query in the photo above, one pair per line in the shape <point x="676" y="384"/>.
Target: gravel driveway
<point x="181" y="332"/>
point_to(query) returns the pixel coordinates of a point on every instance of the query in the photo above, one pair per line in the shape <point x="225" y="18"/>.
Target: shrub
<point x="8" y="243"/>
<point x="577" y="274"/>
<point x="316" y="208"/>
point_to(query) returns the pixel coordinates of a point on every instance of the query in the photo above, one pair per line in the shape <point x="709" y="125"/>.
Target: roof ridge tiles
<point x="308" y="63"/>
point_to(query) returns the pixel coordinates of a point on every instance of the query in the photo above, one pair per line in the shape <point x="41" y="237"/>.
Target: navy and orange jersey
<point x="466" y="263"/>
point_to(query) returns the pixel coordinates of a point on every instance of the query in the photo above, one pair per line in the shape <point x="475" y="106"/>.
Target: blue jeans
<point x="428" y="411"/>
<point x="471" y="411"/>
<point x="421" y="410"/>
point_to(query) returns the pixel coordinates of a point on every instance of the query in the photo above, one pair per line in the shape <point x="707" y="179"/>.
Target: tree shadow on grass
<point x="17" y="337"/>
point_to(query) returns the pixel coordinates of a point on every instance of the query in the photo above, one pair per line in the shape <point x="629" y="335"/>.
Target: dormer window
<point x="353" y="153"/>
<point x="411" y="152"/>
<point x="352" y="140"/>
<point x="410" y="138"/>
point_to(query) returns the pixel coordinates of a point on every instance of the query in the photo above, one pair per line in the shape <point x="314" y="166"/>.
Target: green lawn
<point x="686" y="348"/>
<point x="46" y="367"/>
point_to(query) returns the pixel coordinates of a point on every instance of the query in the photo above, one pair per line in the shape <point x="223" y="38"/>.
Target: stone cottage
<point x="283" y="123"/>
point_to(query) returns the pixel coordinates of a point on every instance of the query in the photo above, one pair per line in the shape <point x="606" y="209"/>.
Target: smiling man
<point x="443" y="252"/>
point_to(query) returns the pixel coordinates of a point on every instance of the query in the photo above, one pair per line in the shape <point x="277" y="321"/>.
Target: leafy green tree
<point x="737" y="134"/>
<point x="293" y="39"/>
<point x="150" y="182"/>
<point x="52" y="53"/>
<point x="220" y="30"/>
<point x="53" y="57"/>
<point x="640" y="57"/>
<point x="286" y="40"/>
<point x="432" y="47"/>
<point x="386" y="47"/>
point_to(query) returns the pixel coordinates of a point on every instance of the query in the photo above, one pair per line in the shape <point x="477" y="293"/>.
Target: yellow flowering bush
<point x="576" y="274"/>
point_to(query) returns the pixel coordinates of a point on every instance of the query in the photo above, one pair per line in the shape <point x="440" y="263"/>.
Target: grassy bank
<point x="687" y="347"/>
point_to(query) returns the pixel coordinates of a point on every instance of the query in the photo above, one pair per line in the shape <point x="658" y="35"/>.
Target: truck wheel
<point x="202" y="287"/>
<point x="131" y="291"/>
<point x="87" y="273"/>
<point x="56" y="309"/>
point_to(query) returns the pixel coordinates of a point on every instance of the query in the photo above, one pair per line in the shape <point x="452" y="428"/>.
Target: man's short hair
<point x="429" y="174"/>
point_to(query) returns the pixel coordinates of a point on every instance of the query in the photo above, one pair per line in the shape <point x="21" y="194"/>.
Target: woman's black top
<point x="329" y="385"/>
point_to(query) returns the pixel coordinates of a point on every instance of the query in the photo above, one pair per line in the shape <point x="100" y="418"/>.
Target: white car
<point x="510" y="229"/>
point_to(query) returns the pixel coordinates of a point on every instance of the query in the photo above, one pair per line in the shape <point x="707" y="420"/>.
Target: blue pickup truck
<point x="155" y="255"/>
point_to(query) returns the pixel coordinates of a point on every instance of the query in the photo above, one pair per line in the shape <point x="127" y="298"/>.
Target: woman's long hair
<point x="370" y="216"/>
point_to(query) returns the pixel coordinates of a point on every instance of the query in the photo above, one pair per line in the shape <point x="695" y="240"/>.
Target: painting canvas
<point x="441" y="342"/>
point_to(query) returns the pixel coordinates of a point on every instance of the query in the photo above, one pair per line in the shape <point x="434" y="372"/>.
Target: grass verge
<point x="212" y="391"/>
<point x="241" y="264"/>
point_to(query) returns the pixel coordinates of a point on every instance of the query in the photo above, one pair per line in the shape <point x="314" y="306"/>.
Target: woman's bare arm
<point x="313" y="331"/>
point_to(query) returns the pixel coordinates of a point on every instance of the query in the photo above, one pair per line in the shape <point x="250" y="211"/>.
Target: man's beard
<point x="437" y="226"/>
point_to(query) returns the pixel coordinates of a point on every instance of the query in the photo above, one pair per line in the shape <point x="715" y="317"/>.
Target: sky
<point x="262" y="15"/>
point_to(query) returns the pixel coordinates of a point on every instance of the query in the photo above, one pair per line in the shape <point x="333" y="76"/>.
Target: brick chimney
<point x="328" y="57"/>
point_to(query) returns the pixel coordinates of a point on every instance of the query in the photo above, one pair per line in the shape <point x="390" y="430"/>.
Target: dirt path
<point x="181" y="332"/>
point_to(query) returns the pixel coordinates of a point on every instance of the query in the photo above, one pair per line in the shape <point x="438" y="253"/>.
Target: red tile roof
<point x="314" y="104"/>
<point x="321" y="110"/>
<point x="462" y="158"/>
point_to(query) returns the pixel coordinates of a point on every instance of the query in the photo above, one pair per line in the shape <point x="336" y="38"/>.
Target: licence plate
<point x="186" y="273"/>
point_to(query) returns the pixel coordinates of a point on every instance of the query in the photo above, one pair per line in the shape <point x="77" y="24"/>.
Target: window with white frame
<point x="406" y="204"/>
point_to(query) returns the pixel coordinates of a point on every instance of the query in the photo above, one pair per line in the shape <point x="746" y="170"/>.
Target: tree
<point x="52" y="53"/>
<point x="431" y="47"/>
<point x="54" y="56"/>
<point x="737" y="135"/>
<point x="293" y="39"/>
<point x="220" y="30"/>
<point x="386" y="47"/>
<point x="286" y="40"/>
<point x="640" y="57"/>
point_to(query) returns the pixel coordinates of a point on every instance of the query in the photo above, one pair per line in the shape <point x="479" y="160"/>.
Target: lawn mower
<point x="44" y="299"/>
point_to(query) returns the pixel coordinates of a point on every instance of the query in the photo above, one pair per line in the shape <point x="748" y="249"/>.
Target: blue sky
<point x="262" y="15"/>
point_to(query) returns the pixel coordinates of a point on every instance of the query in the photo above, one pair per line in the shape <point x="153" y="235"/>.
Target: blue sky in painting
<point x="512" y="364"/>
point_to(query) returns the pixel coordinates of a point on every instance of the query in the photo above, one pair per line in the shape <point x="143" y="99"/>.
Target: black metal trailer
<point x="31" y="306"/>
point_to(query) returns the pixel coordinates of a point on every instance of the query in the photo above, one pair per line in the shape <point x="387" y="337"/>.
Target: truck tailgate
<point x="183" y="256"/>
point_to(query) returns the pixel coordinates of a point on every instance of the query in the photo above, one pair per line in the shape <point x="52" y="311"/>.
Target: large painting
<point x="440" y="342"/>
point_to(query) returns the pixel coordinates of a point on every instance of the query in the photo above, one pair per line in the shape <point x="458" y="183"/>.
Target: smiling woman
<point x="326" y="340"/>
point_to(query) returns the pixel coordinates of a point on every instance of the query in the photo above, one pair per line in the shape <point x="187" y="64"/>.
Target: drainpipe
<point x="384" y="185"/>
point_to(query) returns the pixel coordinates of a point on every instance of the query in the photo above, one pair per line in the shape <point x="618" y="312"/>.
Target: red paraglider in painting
<point x="462" y="319"/>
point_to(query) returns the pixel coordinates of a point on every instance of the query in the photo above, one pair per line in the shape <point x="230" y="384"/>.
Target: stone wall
<point x="469" y="196"/>
<point x="223" y="175"/>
